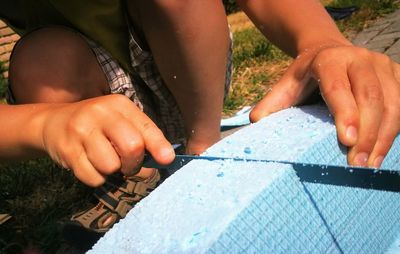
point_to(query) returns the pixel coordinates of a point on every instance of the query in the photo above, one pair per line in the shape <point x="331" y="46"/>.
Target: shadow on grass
<point x="39" y="196"/>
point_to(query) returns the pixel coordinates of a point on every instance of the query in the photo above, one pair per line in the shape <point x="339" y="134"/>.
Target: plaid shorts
<point x="145" y="87"/>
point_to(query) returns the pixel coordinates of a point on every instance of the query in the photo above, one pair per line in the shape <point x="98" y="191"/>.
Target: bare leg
<point x="189" y="41"/>
<point x="56" y="65"/>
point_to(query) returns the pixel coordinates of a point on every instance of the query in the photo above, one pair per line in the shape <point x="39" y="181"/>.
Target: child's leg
<point x="57" y="65"/>
<point x="189" y="42"/>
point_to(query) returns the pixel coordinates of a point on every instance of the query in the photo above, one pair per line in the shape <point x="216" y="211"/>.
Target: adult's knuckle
<point x="327" y="53"/>
<point x="334" y="87"/>
<point x="383" y="59"/>
<point x="373" y="93"/>
<point x="362" y="52"/>
<point x="322" y="58"/>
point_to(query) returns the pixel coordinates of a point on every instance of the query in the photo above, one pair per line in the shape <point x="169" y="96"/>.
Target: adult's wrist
<point x="314" y="47"/>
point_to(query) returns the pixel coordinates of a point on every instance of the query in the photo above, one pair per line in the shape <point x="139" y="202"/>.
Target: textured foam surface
<point x="395" y="247"/>
<point x="249" y="207"/>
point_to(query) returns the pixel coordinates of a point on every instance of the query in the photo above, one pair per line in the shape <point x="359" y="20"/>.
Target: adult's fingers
<point x="291" y="89"/>
<point x="367" y="91"/>
<point x="386" y="136"/>
<point x="390" y="124"/>
<point x="336" y="91"/>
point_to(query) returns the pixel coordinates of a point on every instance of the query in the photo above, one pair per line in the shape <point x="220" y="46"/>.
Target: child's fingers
<point x="85" y="172"/>
<point x="101" y="153"/>
<point x="153" y="139"/>
<point x="109" y="132"/>
<point x="127" y="142"/>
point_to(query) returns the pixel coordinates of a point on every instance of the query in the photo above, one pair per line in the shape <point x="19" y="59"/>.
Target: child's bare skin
<point x="190" y="50"/>
<point x="93" y="137"/>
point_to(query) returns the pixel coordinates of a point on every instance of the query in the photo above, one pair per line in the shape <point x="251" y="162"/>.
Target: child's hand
<point x="361" y="89"/>
<point x="100" y="136"/>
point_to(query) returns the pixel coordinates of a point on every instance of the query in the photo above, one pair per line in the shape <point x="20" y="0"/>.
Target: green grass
<point x="380" y="7"/>
<point x="251" y="46"/>
<point x="38" y="195"/>
<point x="369" y="10"/>
<point x="251" y="49"/>
<point x="253" y="53"/>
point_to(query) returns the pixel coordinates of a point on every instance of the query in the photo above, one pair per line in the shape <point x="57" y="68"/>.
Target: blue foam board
<point x="250" y="207"/>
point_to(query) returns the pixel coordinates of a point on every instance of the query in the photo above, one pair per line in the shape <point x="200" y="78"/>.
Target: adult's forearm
<point x="293" y="25"/>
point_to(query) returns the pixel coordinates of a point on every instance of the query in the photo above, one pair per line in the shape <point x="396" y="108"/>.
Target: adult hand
<point x="361" y="89"/>
<point x="99" y="136"/>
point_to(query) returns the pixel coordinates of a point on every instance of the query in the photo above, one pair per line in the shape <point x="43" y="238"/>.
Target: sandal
<point x="116" y="198"/>
<point x="4" y="217"/>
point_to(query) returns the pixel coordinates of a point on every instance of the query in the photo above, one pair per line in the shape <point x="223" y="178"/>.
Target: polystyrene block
<point x="253" y="207"/>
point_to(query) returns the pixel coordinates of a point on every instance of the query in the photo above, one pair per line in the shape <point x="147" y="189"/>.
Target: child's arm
<point x="93" y="137"/>
<point x="361" y="88"/>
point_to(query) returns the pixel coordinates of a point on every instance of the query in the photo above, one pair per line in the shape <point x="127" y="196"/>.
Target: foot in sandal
<point x="116" y="198"/>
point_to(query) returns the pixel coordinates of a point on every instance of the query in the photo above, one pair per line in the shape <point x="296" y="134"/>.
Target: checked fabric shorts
<point x="144" y="86"/>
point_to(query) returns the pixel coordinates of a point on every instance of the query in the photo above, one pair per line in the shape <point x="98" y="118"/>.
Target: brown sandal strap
<point x="4" y="217"/>
<point x="94" y="218"/>
<point x="106" y="197"/>
<point x="119" y="204"/>
<point x="117" y="197"/>
<point x="135" y="185"/>
<point x="123" y="208"/>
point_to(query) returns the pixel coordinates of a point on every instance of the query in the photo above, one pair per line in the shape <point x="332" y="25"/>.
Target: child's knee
<point x="50" y="61"/>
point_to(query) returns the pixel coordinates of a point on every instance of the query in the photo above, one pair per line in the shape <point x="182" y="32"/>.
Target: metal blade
<point x="366" y="178"/>
<point x="179" y="161"/>
<point x="360" y="177"/>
